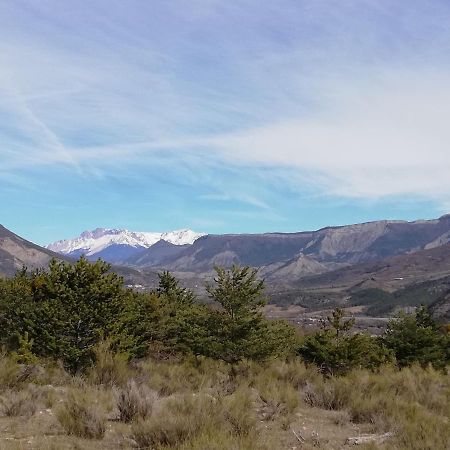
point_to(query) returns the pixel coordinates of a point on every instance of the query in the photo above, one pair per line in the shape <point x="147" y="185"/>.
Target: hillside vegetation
<point x="207" y="404"/>
<point x="87" y="363"/>
<point x="386" y="265"/>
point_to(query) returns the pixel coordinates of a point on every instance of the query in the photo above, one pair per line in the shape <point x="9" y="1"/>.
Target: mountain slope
<point x="299" y="266"/>
<point x="378" y="302"/>
<point x="16" y="252"/>
<point x="319" y="269"/>
<point x="156" y="254"/>
<point x="330" y="247"/>
<point x="380" y="286"/>
<point x="322" y="250"/>
<point x="118" y="245"/>
<point x="388" y="274"/>
<point x="441" y="308"/>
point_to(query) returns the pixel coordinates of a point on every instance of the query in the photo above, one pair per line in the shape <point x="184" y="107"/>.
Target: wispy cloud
<point x="344" y="99"/>
<point x="383" y="136"/>
<point x="235" y="197"/>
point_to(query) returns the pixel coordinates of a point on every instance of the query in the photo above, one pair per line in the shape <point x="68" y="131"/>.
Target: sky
<point x="222" y="116"/>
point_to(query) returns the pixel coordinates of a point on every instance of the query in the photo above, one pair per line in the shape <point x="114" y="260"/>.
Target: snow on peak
<point x="92" y="242"/>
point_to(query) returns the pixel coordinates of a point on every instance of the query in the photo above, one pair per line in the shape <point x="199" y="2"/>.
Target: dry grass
<point x="19" y="403"/>
<point x="14" y="375"/>
<point x="110" y="369"/>
<point x="81" y="416"/>
<point x="201" y="404"/>
<point x="181" y="418"/>
<point x="192" y="421"/>
<point x="413" y="403"/>
<point x="240" y="411"/>
<point x="135" y="401"/>
<point x="9" y="372"/>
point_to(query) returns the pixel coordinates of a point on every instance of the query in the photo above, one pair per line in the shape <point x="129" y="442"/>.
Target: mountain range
<point x="118" y="245"/>
<point x="16" y="253"/>
<point x="372" y="264"/>
<point x="277" y="255"/>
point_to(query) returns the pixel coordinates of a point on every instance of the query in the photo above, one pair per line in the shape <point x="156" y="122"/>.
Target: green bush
<point x="65" y="310"/>
<point x="416" y="338"/>
<point x="335" y="350"/>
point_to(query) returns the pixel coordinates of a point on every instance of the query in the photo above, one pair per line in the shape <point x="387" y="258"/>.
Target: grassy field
<point x="207" y="405"/>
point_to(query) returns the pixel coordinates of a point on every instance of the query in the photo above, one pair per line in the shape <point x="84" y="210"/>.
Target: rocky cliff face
<point x="323" y="250"/>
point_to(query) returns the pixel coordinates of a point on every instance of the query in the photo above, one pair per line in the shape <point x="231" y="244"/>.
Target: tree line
<point x="64" y="311"/>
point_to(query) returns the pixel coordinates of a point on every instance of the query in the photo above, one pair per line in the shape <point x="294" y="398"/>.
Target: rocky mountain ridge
<point x="364" y="264"/>
<point x="303" y="253"/>
<point x="117" y="245"/>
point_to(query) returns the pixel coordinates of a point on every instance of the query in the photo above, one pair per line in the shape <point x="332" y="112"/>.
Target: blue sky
<point x="222" y="116"/>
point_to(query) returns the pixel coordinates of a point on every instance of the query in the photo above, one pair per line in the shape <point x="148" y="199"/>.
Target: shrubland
<point x="87" y="363"/>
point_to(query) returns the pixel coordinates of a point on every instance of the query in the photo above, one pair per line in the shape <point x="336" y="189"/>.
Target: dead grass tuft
<point x="19" y="403"/>
<point x="80" y="415"/>
<point x="110" y="369"/>
<point x="179" y="420"/>
<point x="135" y="401"/>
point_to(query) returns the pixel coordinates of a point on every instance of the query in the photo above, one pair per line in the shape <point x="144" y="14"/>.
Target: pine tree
<point x="170" y="288"/>
<point x="24" y="354"/>
<point x="239" y="327"/>
<point x="416" y="338"/>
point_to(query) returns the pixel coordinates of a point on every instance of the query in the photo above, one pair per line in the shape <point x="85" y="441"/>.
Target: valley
<point x="372" y="269"/>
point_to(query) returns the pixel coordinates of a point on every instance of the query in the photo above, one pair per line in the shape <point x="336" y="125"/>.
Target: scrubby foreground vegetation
<point x="87" y="364"/>
<point x="207" y="404"/>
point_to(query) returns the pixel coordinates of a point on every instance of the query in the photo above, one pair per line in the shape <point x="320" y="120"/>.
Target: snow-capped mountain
<point x="116" y="245"/>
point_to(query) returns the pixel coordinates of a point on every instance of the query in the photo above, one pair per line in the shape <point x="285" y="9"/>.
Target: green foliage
<point x="71" y="311"/>
<point x="24" y="354"/>
<point x="337" y="351"/>
<point x="140" y="328"/>
<point x="238" y="291"/>
<point x="185" y="324"/>
<point x="240" y="329"/>
<point x="65" y="310"/>
<point x="170" y="320"/>
<point x="170" y="288"/>
<point x="416" y="338"/>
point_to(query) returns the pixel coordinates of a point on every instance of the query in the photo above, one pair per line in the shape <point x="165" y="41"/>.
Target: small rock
<point x="368" y="438"/>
